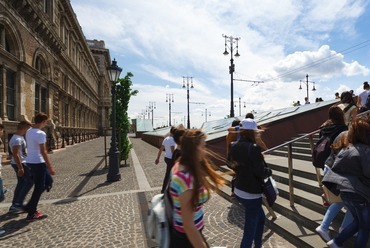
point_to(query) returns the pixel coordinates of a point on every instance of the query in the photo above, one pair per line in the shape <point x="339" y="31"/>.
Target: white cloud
<point x="161" y="41"/>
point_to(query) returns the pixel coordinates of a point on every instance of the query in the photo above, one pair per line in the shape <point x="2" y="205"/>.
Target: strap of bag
<point x="348" y="107"/>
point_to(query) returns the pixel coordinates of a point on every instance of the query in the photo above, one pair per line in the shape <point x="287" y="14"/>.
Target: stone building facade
<point x="47" y="65"/>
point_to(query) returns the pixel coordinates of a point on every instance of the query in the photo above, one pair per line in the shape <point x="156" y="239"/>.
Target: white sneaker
<point x="323" y="234"/>
<point x="332" y="244"/>
<point x="2" y="232"/>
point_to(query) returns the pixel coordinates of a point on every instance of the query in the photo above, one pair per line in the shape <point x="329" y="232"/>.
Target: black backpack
<point x="367" y="104"/>
<point x="321" y="151"/>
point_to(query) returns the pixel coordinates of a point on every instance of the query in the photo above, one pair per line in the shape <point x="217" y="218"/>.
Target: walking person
<point x="351" y="176"/>
<point x="362" y="97"/>
<point x="333" y="128"/>
<point x="192" y="179"/>
<point x="348" y="107"/>
<point x="177" y="136"/>
<point x="168" y="145"/>
<point x="39" y="164"/>
<point x="17" y="145"/>
<point x="249" y="166"/>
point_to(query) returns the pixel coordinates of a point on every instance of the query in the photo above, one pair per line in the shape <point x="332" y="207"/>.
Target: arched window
<point x="6" y="41"/>
<point x="40" y="65"/>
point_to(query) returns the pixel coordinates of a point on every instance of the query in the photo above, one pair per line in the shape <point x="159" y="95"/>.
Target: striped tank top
<point x="182" y="181"/>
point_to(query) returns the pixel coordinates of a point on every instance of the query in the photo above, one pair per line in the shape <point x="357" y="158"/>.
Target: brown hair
<point x="346" y="97"/>
<point x="40" y="117"/>
<point x="199" y="167"/>
<point x="336" y="116"/>
<point x="177" y="134"/>
<point x="248" y="135"/>
<point x="359" y="132"/>
<point x="23" y="124"/>
<point x="1" y="127"/>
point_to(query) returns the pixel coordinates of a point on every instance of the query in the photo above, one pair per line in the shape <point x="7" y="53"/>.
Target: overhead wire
<point x="320" y="61"/>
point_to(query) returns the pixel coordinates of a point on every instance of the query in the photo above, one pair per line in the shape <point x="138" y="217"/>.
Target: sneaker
<point x="2" y="232"/>
<point x="36" y="216"/>
<point x="232" y="195"/>
<point x="332" y="244"/>
<point x="16" y="210"/>
<point x="323" y="234"/>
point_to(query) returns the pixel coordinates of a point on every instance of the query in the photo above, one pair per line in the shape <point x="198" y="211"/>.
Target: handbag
<point x="270" y="191"/>
<point x="330" y="196"/>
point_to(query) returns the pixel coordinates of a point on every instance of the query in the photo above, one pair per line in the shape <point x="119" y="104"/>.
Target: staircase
<point x="295" y="223"/>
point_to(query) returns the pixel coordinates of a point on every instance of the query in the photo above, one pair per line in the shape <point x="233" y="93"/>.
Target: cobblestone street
<point x="85" y="211"/>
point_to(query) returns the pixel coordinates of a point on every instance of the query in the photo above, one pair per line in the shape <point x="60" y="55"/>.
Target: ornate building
<point x="47" y="65"/>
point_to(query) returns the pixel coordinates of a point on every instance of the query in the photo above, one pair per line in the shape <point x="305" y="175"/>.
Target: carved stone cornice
<point x="37" y="21"/>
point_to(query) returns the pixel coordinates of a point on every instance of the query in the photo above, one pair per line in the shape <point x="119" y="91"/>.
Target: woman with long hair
<point x="348" y="106"/>
<point x="192" y="179"/>
<point x="351" y="174"/>
<point x="333" y="127"/>
<point x="249" y="165"/>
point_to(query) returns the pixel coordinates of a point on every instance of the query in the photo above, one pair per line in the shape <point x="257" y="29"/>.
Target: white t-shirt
<point x="167" y="143"/>
<point x="18" y="140"/>
<point x="363" y="96"/>
<point x="35" y="137"/>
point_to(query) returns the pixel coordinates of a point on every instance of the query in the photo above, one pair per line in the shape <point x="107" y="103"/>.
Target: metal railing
<point x="290" y="157"/>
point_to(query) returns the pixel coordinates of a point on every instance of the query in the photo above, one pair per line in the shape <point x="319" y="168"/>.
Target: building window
<point x="10" y="95"/>
<point x="40" y="99"/>
<point x="1" y="91"/>
<point x="43" y="99"/>
<point x="66" y="114"/>
<point x="37" y="99"/>
<point x="47" y="7"/>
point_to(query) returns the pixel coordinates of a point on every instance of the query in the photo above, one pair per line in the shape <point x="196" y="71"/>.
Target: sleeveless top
<point x="182" y="181"/>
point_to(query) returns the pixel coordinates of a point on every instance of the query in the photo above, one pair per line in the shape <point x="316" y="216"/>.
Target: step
<point x="304" y="150"/>
<point x="292" y="230"/>
<point x="295" y="155"/>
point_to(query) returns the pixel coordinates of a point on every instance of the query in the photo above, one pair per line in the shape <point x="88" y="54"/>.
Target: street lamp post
<point x="151" y="109"/>
<point x="240" y="106"/>
<point x="306" y="83"/>
<point x="169" y="99"/>
<point x="113" y="171"/>
<point x="206" y="114"/>
<point x="189" y="82"/>
<point x="231" y="41"/>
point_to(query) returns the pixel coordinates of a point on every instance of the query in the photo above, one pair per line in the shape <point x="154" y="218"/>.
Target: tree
<point x="123" y="95"/>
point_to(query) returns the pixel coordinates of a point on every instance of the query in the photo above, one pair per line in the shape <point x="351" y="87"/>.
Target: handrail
<point x="290" y="158"/>
<point x="290" y="142"/>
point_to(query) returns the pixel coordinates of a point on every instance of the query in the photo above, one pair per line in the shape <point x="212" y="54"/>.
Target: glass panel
<point x="10" y="94"/>
<point x="37" y="99"/>
<point x="43" y="99"/>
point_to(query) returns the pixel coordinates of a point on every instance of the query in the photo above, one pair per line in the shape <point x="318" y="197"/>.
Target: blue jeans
<point x="24" y="185"/>
<point x="360" y="209"/>
<point x="333" y="211"/>
<point x="38" y="172"/>
<point x="169" y="164"/>
<point x="254" y="222"/>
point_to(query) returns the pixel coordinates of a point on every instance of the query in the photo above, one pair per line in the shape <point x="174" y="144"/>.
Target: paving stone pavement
<point x="85" y="211"/>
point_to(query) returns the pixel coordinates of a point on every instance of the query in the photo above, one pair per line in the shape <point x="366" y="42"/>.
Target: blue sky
<point x="281" y="41"/>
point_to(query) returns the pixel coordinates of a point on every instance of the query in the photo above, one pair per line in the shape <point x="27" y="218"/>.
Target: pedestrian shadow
<point x="73" y="198"/>
<point x="97" y="172"/>
<point x="13" y="227"/>
<point x="236" y="217"/>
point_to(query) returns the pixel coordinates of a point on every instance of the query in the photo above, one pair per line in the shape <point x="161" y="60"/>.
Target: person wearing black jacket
<point x="248" y="163"/>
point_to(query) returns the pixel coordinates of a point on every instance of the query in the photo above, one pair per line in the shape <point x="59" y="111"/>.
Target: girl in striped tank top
<point x="190" y="186"/>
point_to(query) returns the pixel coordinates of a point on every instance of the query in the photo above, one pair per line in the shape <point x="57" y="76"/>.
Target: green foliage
<point x="123" y="95"/>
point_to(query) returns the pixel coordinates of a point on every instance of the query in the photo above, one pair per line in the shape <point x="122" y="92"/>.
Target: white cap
<point x="248" y="124"/>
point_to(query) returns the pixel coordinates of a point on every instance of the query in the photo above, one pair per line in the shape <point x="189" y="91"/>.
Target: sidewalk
<point x="84" y="211"/>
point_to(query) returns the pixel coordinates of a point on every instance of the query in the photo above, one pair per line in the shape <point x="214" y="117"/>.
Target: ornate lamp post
<point x="169" y="99"/>
<point x="306" y="83"/>
<point x="113" y="172"/>
<point x="206" y="113"/>
<point x="231" y="41"/>
<point x="189" y="82"/>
